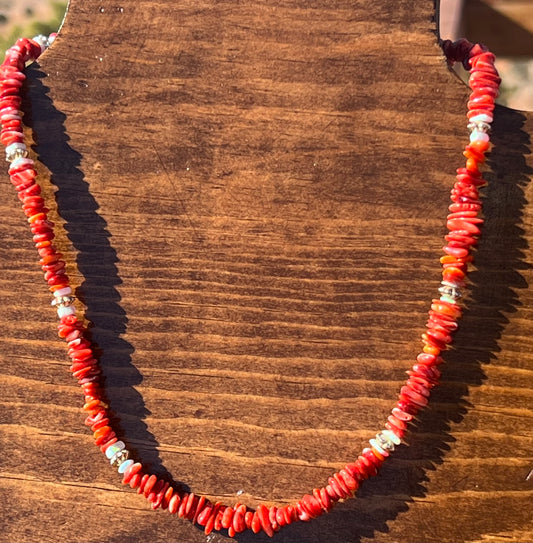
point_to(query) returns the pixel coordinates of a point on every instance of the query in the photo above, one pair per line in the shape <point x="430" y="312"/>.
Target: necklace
<point x="463" y="224"/>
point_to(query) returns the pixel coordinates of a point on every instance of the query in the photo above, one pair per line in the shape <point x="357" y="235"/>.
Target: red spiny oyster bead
<point x="143" y="481"/>
<point x="460" y="239"/>
<point x="204" y="514"/>
<point x="342" y="483"/>
<point x="264" y="519"/>
<point x="467" y="177"/>
<point x="57" y="279"/>
<point x="135" y="481"/>
<point x="442" y="327"/>
<point x="465" y="224"/>
<point x="480" y="54"/>
<point x="354" y="469"/>
<point x="188" y="505"/>
<point x="192" y="504"/>
<point x="227" y="517"/>
<point x="401" y="415"/>
<point x="438" y="335"/>
<point x="407" y="407"/>
<point x="130" y="472"/>
<point x="429" y="340"/>
<point x="309" y="507"/>
<point x="457" y="207"/>
<point x="446" y="309"/>
<point x="458" y="252"/>
<point x="218" y="518"/>
<point x="166" y="498"/>
<point x="23" y="180"/>
<point x="480" y="78"/>
<point x="94" y="418"/>
<point x="183" y="505"/>
<point x="25" y="188"/>
<point x="280" y="516"/>
<point x="290" y="514"/>
<point x="93" y="405"/>
<point x="210" y="524"/>
<point x="91" y="390"/>
<point x="103" y="434"/>
<point x="21" y="165"/>
<point x="173" y="504"/>
<point x="146" y="477"/>
<point x="418" y="387"/>
<point x="339" y="492"/>
<point x="323" y="498"/>
<point x="52" y="256"/>
<point x="420" y="380"/>
<point x="365" y="468"/>
<point x="370" y="455"/>
<point x="256" y="523"/>
<point x="99" y="424"/>
<point x="424" y="358"/>
<point x="408" y="394"/>
<point x="397" y="423"/>
<point x="454" y="275"/>
<point x="198" y="507"/>
<point x="248" y="518"/>
<point x="156" y="489"/>
<point x="272" y="510"/>
<point x="32" y="190"/>
<point x="239" y="524"/>
<point x="350" y="482"/>
<point x="430" y="374"/>
<point x="109" y="442"/>
<point x="78" y="343"/>
<point x="151" y="495"/>
<point x="395" y="430"/>
<point x="56" y="267"/>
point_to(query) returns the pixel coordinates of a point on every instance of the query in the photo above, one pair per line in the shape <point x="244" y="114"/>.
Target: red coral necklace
<point x="463" y="224"/>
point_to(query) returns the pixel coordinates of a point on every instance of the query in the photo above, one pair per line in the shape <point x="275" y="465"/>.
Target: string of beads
<point x="463" y="224"/>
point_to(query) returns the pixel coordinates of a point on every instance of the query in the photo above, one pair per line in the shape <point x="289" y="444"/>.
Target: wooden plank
<point x="252" y="199"/>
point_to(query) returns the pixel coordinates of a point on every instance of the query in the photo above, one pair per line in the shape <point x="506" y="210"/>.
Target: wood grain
<point x="252" y="199"/>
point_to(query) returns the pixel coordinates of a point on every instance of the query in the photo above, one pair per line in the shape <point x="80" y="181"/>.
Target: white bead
<point x="479" y="136"/>
<point x="16" y="145"/>
<point x="448" y="299"/>
<point x="481" y="118"/>
<point x="65" y="311"/>
<point x="42" y="41"/>
<point x="11" y="117"/>
<point x="16" y="150"/>
<point x="391" y="436"/>
<point x="62" y="292"/>
<point x="22" y="161"/>
<point x="114" y="449"/>
<point x="125" y="465"/>
<point x="378" y="448"/>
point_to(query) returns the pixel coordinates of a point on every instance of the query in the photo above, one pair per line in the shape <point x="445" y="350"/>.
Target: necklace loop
<point x="463" y="223"/>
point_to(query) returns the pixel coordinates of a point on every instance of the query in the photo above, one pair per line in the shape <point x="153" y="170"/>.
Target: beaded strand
<point x="463" y="224"/>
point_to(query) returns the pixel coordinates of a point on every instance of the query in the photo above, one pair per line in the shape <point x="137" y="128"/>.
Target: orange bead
<point x="430" y="349"/>
<point x="480" y="146"/>
<point x="472" y="165"/>
<point x="453" y="273"/>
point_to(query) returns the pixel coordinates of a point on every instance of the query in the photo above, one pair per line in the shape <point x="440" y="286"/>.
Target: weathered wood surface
<point x="252" y="197"/>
